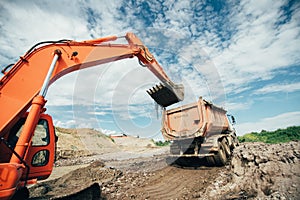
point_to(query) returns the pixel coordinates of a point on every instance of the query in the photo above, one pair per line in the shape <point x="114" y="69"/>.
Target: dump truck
<point x="199" y="130"/>
<point x="27" y="136"/>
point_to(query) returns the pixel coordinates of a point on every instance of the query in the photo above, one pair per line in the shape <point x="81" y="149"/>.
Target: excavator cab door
<point x="41" y="154"/>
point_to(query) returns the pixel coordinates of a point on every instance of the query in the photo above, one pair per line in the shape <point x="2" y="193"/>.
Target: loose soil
<point x="131" y="171"/>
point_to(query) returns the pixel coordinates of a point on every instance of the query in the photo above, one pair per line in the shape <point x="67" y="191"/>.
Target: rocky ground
<point x="260" y="171"/>
<point x="256" y="171"/>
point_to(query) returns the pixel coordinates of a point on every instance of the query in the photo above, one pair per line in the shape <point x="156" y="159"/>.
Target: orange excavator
<point x="27" y="136"/>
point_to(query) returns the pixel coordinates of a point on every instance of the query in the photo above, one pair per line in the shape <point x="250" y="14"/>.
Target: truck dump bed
<point x="194" y="120"/>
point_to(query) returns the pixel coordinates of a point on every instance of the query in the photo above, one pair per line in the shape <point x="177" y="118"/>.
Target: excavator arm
<point x="164" y="94"/>
<point x="24" y="80"/>
<point x="25" y="86"/>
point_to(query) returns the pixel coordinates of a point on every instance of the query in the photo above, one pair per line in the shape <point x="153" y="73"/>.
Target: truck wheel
<point x="174" y="149"/>
<point x="226" y="147"/>
<point x="220" y="156"/>
<point x="210" y="161"/>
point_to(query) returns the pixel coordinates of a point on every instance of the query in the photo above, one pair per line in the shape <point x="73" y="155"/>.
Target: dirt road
<point x="138" y="178"/>
<point x="154" y="179"/>
<point x="256" y="171"/>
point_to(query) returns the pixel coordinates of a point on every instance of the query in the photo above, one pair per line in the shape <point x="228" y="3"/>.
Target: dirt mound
<point x="133" y="142"/>
<point x="260" y="171"/>
<point x="74" y="143"/>
<point x="97" y="142"/>
<point x="76" y="182"/>
<point x="78" y="143"/>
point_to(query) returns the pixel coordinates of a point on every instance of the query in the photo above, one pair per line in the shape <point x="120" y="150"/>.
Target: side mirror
<point x="233" y="119"/>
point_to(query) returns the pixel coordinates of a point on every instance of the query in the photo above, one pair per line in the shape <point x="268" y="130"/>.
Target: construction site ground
<point x="134" y="168"/>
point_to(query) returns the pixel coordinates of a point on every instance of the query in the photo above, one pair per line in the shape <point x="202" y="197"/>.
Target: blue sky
<point x="242" y="55"/>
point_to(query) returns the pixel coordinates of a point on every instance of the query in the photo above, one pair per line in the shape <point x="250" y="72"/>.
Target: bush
<point x="161" y="143"/>
<point x="273" y="137"/>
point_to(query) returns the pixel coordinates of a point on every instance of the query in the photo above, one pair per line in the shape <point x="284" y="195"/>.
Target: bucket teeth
<point x="166" y="95"/>
<point x="149" y="91"/>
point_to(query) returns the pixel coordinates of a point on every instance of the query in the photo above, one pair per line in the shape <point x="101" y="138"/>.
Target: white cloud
<point x="244" y="46"/>
<point x="64" y="124"/>
<point x="118" y="83"/>
<point x="278" y="87"/>
<point x="28" y="23"/>
<point x="60" y="92"/>
<point x="108" y="132"/>
<point x="98" y="113"/>
<point x="237" y="106"/>
<point x="258" y="47"/>
<point x="271" y="123"/>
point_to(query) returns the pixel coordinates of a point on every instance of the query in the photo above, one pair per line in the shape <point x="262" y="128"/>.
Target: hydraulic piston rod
<point x="34" y="114"/>
<point x="44" y="89"/>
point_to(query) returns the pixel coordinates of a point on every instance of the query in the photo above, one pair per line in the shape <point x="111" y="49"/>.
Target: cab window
<point x="41" y="134"/>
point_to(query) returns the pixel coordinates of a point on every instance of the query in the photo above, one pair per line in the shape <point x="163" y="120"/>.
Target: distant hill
<point x="273" y="137"/>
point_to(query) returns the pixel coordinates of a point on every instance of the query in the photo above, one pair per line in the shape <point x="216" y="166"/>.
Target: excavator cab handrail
<point x="3" y="71"/>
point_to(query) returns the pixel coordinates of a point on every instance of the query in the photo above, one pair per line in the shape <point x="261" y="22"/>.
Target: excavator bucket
<point x="166" y="95"/>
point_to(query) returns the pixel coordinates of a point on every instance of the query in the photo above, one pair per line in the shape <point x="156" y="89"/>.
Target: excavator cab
<point x="41" y="154"/>
<point x="167" y="94"/>
<point x="38" y="163"/>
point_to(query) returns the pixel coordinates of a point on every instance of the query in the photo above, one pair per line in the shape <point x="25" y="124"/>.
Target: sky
<point x="241" y="55"/>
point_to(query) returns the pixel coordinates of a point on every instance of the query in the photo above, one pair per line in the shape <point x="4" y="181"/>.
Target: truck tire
<point x="210" y="161"/>
<point x="174" y="149"/>
<point x="226" y="147"/>
<point x="220" y="155"/>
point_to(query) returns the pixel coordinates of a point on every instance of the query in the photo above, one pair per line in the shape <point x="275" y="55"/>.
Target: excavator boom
<point x="24" y="80"/>
<point x="27" y="139"/>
